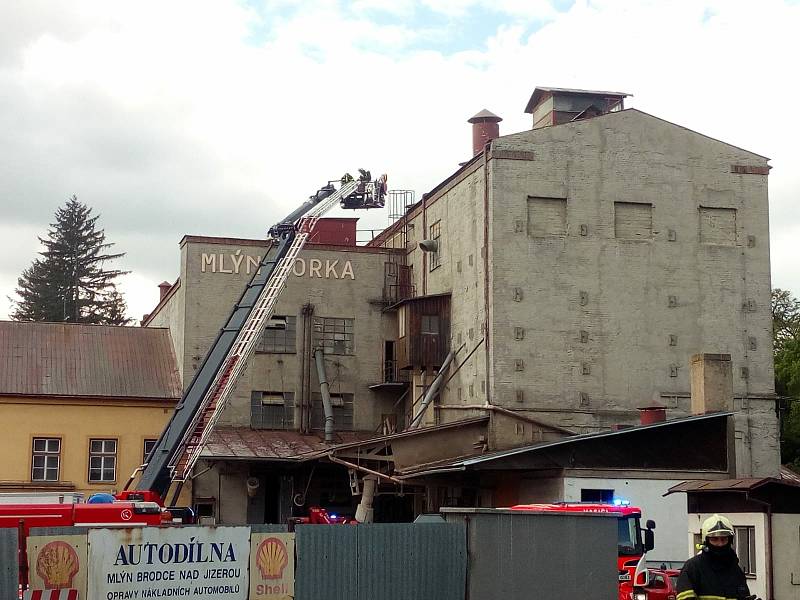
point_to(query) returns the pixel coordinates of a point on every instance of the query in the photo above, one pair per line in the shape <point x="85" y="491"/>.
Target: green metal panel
<point x="9" y="567"/>
<point x="389" y="561"/>
<point x="326" y="562"/>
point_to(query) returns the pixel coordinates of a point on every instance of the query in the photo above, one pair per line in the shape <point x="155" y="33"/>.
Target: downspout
<point x="433" y="390"/>
<point x="487" y="321"/>
<point x="326" y="395"/>
<point x="771" y="576"/>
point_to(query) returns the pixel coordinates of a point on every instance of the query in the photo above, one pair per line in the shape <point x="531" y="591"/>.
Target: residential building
<point x="81" y="405"/>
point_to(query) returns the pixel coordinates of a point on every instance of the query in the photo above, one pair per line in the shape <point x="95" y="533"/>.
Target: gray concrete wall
<point x="459" y="208"/>
<point x="644" y="305"/>
<point x="339" y="282"/>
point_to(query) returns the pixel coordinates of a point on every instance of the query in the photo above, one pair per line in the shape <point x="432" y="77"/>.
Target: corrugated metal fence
<point x="382" y="561"/>
<point x="9" y="576"/>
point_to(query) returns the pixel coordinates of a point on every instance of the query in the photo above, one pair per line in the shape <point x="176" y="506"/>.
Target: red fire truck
<point x="632" y="543"/>
<point x="170" y="463"/>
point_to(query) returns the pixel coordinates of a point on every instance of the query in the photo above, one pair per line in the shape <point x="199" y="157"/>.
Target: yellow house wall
<point x="76" y="422"/>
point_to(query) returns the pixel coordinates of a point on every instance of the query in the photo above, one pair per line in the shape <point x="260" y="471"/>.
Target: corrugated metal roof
<point x="246" y="443"/>
<point x="64" y="359"/>
<point x="462" y="464"/>
<point x="787" y="477"/>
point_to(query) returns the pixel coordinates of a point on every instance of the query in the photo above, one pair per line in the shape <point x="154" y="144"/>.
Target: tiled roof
<point x="63" y="359"/>
<point x="246" y="443"/>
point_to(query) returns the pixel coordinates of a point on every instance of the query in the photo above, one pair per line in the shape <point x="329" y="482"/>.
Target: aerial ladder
<point x="182" y="440"/>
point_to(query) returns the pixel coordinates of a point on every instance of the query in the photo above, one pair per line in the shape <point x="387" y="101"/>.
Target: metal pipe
<point x="364" y="511"/>
<point x="339" y="461"/>
<point x="433" y="390"/>
<point x="319" y="356"/>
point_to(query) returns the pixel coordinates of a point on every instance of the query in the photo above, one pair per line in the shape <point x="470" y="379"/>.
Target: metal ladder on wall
<point x="217" y="396"/>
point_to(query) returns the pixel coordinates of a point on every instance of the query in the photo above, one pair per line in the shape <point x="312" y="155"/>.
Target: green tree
<point x="786" y="343"/>
<point x="785" y="317"/>
<point x="69" y="282"/>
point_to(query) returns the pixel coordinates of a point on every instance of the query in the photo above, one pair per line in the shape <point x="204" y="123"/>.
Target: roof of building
<point x="66" y="359"/>
<point x="480" y="460"/>
<point x="484" y="115"/>
<point x="745" y="484"/>
<point x="243" y="443"/>
<point x="540" y="91"/>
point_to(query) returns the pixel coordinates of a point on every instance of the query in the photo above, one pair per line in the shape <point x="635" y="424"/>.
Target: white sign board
<point x="169" y="562"/>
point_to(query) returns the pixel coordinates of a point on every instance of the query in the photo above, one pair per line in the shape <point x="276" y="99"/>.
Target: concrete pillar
<point x="712" y="383"/>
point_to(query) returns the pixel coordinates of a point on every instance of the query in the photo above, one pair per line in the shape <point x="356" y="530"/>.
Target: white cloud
<point x="216" y="118"/>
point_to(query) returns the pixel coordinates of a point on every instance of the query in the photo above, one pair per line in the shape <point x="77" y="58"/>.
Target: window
<point x="46" y="459"/>
<point x="718" y="226"/>
<point x="435" y="258"/>
<point x="271" y="410"/>
<point x="334" y="336"/>
<point x="633" y="221"/>
<point x="148" y="448"/>
<point x="592" y="495"/>
<point x="547" y="216"/>
<point x="745" y="542"/>
<point x="102" y="460"/>
<point x="429" y="325"/>
<point x="279" y="336"/>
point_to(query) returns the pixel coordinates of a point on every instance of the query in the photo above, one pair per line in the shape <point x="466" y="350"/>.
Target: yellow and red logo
<point x="57" y="564"/>
<point x="271" y="558"/>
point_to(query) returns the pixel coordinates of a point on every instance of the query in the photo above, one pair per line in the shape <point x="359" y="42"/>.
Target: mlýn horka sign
<point x="236" y="263"/>
<point x="150" y="562"/>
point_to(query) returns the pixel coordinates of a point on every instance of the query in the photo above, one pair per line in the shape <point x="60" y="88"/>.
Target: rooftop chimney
<point x="163" y="288"/>
<point x="652" y="414"/>
<point x="484" y="128"/>
<point x="554" y="106"/>
<point x="712" y="383"/>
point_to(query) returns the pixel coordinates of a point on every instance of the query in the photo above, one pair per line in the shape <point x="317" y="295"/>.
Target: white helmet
<point x="717" y="525"/>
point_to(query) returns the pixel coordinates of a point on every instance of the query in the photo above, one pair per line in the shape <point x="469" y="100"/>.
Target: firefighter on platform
<point x="714" y="572"/>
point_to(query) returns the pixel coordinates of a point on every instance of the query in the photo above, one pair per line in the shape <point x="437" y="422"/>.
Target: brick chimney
<point x="712" y="383"/>
<point x="484" y="128"/>
<point x="163" y="288"/>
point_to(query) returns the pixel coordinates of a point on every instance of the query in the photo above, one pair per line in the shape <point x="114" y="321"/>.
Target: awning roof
<point x="485" y="460"/>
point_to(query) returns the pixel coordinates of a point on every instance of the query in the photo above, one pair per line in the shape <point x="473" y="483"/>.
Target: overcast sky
<point x="219" y="117"/>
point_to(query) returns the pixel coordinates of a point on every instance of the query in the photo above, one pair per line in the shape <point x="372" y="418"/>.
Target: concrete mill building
<point x="561" y="279"/>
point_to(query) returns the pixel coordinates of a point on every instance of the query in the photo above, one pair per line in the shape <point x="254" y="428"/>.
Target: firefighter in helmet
<point x="714" y="572"/>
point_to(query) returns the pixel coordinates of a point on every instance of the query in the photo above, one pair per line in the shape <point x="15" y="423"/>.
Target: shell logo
<point x="271" y="558"/>
<point x="57" y="564"/>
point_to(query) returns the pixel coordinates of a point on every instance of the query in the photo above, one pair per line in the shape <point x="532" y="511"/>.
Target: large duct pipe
<point x="433" y="390"/>
<point x="364" y="510"/>
<point x="319" y="356"/>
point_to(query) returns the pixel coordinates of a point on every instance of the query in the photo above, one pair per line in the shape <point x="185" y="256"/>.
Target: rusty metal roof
<point x="253" y="444"/>
<point x="65" y="359"/>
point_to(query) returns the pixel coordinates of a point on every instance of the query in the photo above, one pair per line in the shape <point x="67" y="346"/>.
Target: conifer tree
<point x="69" y="282"/>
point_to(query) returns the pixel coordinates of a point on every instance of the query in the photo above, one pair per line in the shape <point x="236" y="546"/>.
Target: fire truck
<point x="169" y="464"/>
<point x="633" y="541"/>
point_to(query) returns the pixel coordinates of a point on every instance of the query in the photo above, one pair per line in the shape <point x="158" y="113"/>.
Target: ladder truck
<point x="170" y="462"/>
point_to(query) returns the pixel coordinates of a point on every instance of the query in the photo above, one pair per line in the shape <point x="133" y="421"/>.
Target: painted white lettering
<point x="253" y="261"/>
<point x="348" y="270"/>
<point x="299" y="268"/>
<point x="222" y="268"/>
<point x="330" y="269"/>
<point x="237" y="259"/>
<point x="314" y="266"/>
<point x="208" y="259"/>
